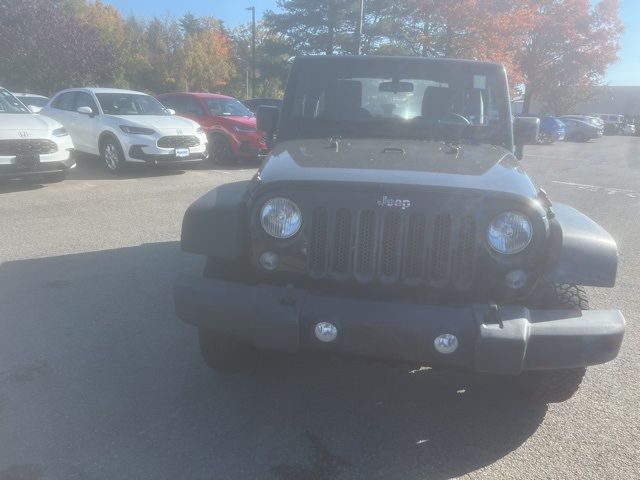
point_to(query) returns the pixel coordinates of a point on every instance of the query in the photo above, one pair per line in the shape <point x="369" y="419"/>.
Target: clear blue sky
<point x="232" y="12"/>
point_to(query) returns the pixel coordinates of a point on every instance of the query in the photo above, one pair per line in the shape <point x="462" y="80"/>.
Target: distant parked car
<point x="613" y="124"/>
<point x="32" y="145"/>
<point x="592" y="120"/>
<point x="123" y="126"/>
<point x="253" y="103"/>
<point x="629" y="129"/>
<point x="551" y="130"/>
<point x="231" y="127"/>
<point x="579" y="131"/>
<point x="34" y="102"/>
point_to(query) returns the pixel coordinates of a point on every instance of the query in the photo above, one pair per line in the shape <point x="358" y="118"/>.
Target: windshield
<point x="130" y="104"/>
<point x="34" y="101"/>
<point x="10" y="104"/>
<point x="401" y="99"/>
<point x="228" y="107"/>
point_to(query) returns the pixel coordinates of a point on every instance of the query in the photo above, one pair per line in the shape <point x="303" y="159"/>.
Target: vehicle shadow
<point x="114" y="375"/>
<point x="14" y="185"/>
<point x="90" y="167"/>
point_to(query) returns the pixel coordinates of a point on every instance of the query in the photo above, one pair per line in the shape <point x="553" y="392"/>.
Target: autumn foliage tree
<point x="567" y="47"/>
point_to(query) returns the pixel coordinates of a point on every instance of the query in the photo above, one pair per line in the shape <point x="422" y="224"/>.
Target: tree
<point x="567" y="48"/>
<point x="44" y="49"/>
<point x="190" y="24"/>
<point x="315" y="27"/>
<point x="206" y="58"/>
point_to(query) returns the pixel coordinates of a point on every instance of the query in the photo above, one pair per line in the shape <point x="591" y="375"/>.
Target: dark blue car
<point x="551" y="130"/>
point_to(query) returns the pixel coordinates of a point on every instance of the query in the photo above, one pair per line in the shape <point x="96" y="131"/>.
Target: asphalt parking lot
<point x="100" y="380"/>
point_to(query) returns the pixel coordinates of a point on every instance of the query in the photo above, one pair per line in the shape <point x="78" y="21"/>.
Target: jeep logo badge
<point x="23" y="134"/>
<point x="179" y="132"/>
<point x="394" y="202"/>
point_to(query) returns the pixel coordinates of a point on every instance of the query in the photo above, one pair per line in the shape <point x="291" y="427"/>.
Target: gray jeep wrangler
<point x="393" y="220"/>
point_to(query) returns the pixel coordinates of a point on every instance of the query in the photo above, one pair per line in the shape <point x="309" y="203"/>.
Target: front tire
<point x="224" y="352"/>
<point x="112" y="155"/>
<point x="220" y="150"/>
<point x="553" y="386"/>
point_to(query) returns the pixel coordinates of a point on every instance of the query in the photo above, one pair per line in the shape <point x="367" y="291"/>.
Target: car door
<point x="189" y="107"/>
<point x="86" y="127"/>
<point x="61" y="109"/>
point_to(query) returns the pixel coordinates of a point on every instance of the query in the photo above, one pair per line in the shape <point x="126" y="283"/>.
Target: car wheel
<point x="552" y="386"/>
<point x="112" y="155"/>
<point x="224" y="352"/>
<point x="220" y="150"/>
<point x="54" y="177"/>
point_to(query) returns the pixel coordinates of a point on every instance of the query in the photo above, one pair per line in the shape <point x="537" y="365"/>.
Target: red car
<point x="230" y="125"/>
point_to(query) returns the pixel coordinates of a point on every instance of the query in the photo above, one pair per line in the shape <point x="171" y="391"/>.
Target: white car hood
<point x="26" y="122"/>
<point x="167" y="124"/>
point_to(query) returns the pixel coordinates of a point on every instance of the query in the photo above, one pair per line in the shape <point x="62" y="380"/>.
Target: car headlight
<point x="509" y="233"/>
<point x="240" y="129"/>
<point x="137" y="130"/>
<point x="60" y="132"/>
<point x="281" y="218"/>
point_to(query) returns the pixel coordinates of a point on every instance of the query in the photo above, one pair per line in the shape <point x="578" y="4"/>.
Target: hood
<point x="398" y="162"/>
<point x="12" y="122"/>
<point x="168" y="124"/>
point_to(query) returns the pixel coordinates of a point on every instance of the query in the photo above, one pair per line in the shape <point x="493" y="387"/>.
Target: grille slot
<point x="318" y="240"/>
<point x="440" y="249"/>
<point x="23" y="147"/>
<point x="365" y="243"/>
<point x="465" y="253"/>
<point x="342" y="246"/>
<point x="390" y="251"/>
<point x="178" y="141"/>
<point x="415" y="257"/>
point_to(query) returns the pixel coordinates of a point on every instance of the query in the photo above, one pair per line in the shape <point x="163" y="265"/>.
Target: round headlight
<point x="509" y="232"/>
<point x="281" y="218"/>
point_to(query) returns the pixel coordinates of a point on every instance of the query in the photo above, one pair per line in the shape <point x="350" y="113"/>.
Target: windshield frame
<point x="21" y="108"/>
<point x="100" y="96"/>
<point x="305" y="69"/>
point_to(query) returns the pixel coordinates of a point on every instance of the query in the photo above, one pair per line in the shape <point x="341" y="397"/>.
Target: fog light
<point x="326" y="332"/>
<point x="516" y="279"/>
<point x="446" y="343"/>
<point x="269" y="260"/>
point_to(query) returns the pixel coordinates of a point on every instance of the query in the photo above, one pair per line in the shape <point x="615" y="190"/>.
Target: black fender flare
<point x="581" y="251"/>
<point x="216" y="224"/>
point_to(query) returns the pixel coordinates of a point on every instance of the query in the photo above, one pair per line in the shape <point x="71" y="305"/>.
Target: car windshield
<point x="10" y="104"/>
<point x="34" y="101"/>
<point x="228" y="107"/>
<point x="401" y="99"/>
<point x="130" y="104"/>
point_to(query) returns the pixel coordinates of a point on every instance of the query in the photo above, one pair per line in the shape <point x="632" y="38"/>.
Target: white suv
<point x="126" y="126"/>
<point x="31" y="144"/>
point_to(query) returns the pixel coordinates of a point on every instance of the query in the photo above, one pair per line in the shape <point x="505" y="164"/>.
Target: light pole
<point x="253" y="50"/>
<point x="360" y="22"/>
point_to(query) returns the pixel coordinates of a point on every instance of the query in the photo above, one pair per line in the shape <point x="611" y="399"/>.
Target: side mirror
<point x="171" y="111"/>
<point x="34" y="109"/>
<point x="85" y="111"/>
<point x="525" y="132"/>
<point x="267" y="119"/>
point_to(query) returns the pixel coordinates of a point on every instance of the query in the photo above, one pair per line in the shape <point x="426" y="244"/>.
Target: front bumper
<point x="136" y="153"/>
<point x="507" y="341"/>
<point x="61" y="161"/>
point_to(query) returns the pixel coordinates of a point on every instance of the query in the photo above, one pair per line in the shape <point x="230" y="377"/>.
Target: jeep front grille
<point x="23" y="147"/>
<point x="393" y="246"/>
<point x="178" y="141"/>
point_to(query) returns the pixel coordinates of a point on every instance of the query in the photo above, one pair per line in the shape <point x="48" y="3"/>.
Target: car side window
<point x="191" y="105"/>
<point x="169" y="102"/>
<point x="65" y="101"/>
<point x="83" y="99"/>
